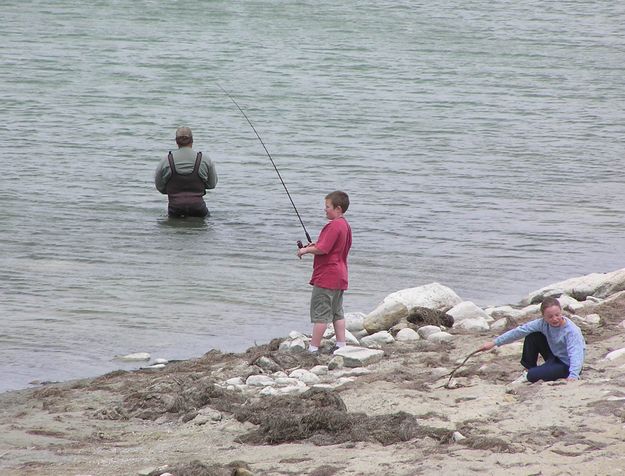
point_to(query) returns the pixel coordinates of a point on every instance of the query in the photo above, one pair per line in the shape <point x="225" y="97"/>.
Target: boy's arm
<point x="311" y="248"/>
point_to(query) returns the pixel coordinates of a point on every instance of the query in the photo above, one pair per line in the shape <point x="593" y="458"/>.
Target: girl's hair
<point x="339" y="199"/>
<point x="548" y="302"/>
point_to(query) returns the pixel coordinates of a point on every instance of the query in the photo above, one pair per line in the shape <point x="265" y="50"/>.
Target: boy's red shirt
<point x="330" y="269"/>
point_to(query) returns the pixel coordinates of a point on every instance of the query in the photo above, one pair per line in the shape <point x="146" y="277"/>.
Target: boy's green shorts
<point x="326" y="305"/>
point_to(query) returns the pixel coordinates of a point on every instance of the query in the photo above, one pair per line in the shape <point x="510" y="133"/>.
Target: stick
<point x="451" y="374"/>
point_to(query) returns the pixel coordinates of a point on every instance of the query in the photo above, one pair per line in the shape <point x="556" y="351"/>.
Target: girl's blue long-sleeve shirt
<point x="566" y="342"/>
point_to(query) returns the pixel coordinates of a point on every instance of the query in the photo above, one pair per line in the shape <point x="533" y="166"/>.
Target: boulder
<point x="569" y="304"/>
<point x="260" y="381"/>
<point x="354" y="321"/>
<point x="305" y="376"/>
<point x="399" y="304"/>
<point x="358" y="356"/>
<point x="407" y="335"/>
<point x="440" y="337"/>
<point x="499" y="312"/>
<point x="385" y="316"/>
<point x="377" y="339"/>
<point x="499" y="326"/>
<point x="472" y="324"/>
<point x="615" y="354"/>
<point x="433" y="296"/>
<point x="468" y="310"/>
<point x="599" y="285"/>
<point x="426" y="331"/>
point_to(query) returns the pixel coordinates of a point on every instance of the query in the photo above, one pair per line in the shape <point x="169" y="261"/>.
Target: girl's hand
<point x="487" y="346"/>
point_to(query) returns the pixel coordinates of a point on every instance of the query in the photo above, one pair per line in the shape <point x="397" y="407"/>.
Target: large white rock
<point x="297" y="335"/>
<point x="569" y="304"/>
<point x="407" y="334"/>
<point x="260" y="381"/>
<point x="600" y="285"/>
<point x="532" y="310"/>
<point x="472" y="324"/>
<point x="426" y="331"/>
<point x="440" y="337"/>
<point x="359" y="356"/>
<point x="615" y="354"/>
<point x="499" y="312"/>
<point x="350" y="338"/>
<point x="397" y="305"/>
<point x="353" y="372"/>
<point x="593" y="319"/>
<point x="295" y="345"/>
<point x="288" y="381"/>
<point x="385" y="316"/>
<point x="319" y="370"/>
<point x="589" y="320"/>
<point x="354" y="321"/>
<point x="379" y="338"/>
<point x="291" y="389"/>
<point x="499" y="325"/>
<point x="468" y="310"/>
<point x="234" y="381"/>
<point x="305" y="376"/>
<point x="268" y="392"/>
<point x="433" y="295"/>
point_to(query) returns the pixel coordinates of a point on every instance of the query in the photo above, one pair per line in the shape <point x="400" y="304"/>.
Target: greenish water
<point x="481" y="144"/>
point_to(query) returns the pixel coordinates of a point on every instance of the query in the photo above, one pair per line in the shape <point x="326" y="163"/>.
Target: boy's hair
<point x="548" y="302"/>
<point x="339" y="199"/>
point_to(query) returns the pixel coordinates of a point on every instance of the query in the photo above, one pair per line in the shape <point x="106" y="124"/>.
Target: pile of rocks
<point x="429" y="313"/>
<point x="432" y="312"/>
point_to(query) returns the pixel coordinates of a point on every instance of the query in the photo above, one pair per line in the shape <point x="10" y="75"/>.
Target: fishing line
<point x="299" y="243"/>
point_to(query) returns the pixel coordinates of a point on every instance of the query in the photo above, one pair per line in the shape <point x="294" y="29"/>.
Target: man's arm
<point x="161" y="176"/>
<point x="210" y="179"/>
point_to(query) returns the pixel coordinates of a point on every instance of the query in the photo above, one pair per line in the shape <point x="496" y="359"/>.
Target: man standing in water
<point x="329" y="278"/>
<point x="184" y="177"/>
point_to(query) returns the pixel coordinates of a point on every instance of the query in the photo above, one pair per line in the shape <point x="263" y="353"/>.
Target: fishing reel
<point x="300" y="244"/>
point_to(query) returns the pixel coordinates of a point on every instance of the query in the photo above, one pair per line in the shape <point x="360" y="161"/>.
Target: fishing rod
<point x="299" y="243"/>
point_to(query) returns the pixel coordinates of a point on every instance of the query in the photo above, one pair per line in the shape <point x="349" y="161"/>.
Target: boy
<point x="329" y="277"/>
<point x="555" y="337"/>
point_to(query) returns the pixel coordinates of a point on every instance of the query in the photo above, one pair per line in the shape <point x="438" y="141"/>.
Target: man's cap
<point x="184" y="132"/>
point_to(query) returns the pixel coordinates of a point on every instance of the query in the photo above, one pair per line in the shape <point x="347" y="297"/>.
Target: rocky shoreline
<point x="398" y="400"/>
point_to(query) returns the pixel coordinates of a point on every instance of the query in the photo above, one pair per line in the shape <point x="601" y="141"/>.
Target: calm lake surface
<point x="481" y="143"/>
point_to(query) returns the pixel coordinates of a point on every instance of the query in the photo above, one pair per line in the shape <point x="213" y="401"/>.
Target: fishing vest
<point x="185" y="190"/>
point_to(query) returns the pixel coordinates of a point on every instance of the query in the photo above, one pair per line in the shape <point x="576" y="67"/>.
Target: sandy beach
<point x="399" y="417"/>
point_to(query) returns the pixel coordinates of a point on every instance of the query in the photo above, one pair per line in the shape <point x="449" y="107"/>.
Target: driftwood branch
<point x="451" y="374"/>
